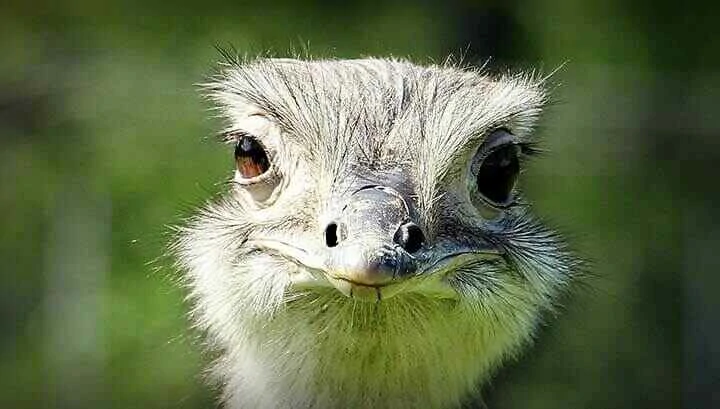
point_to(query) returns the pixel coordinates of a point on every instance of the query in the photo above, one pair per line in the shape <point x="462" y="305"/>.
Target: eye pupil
<point x="498" y="174"/>
<point x="250" y="157"/>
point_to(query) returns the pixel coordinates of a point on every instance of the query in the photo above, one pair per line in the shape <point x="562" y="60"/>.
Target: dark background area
<point x="104" y="142"/>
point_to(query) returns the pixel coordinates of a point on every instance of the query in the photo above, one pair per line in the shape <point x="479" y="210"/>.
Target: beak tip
<point x="361" y="291"/>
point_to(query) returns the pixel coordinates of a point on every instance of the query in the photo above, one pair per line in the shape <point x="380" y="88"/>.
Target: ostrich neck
<point x="399" y="353"/>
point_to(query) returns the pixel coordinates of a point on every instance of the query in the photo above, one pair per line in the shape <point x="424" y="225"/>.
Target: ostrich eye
<point x="498" y="173"/>
<point x="250" y="157"/>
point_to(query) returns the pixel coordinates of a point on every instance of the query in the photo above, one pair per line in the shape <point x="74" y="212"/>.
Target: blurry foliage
<point x="104" y="143"/>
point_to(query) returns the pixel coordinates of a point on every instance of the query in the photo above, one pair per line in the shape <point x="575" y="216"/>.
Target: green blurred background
<point x="104" y="142"/>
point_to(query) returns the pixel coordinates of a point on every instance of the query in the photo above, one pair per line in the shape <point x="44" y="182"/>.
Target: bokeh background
<point x="104" y="142"/>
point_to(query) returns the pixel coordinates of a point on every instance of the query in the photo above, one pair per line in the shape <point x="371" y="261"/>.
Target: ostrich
<point x="372" y="250"/>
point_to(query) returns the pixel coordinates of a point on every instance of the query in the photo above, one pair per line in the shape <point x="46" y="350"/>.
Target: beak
<point x="371" y="244"/>
<point x="370" y="269"/>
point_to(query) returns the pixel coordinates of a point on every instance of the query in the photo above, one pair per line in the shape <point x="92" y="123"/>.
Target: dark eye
<point x="498" y="173"/>
<point x="250" y="157"/>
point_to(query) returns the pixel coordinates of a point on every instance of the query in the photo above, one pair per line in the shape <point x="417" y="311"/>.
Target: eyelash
<point x="530" y="149"/>
<point x="231" y="137"/>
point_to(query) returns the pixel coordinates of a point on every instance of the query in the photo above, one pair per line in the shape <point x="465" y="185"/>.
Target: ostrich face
<point x="373" y="240"/>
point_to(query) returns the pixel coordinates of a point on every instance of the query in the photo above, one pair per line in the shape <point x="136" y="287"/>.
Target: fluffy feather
<point x="329" y="123"/>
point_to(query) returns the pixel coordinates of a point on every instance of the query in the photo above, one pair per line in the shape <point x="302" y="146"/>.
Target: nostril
<point x="331" y="235"/>
<point x="410" y="237"/>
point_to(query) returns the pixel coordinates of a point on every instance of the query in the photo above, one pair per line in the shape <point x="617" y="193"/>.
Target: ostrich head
<point x="373" y="249"/>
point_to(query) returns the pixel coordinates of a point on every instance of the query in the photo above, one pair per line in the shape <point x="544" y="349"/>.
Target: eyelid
<point x="269" y="175"/>
<point x="496" y="139"/>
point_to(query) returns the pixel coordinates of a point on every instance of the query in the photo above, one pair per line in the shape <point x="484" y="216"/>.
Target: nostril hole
<point x="331" y="235"/>
<point x="410" y="237"/>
